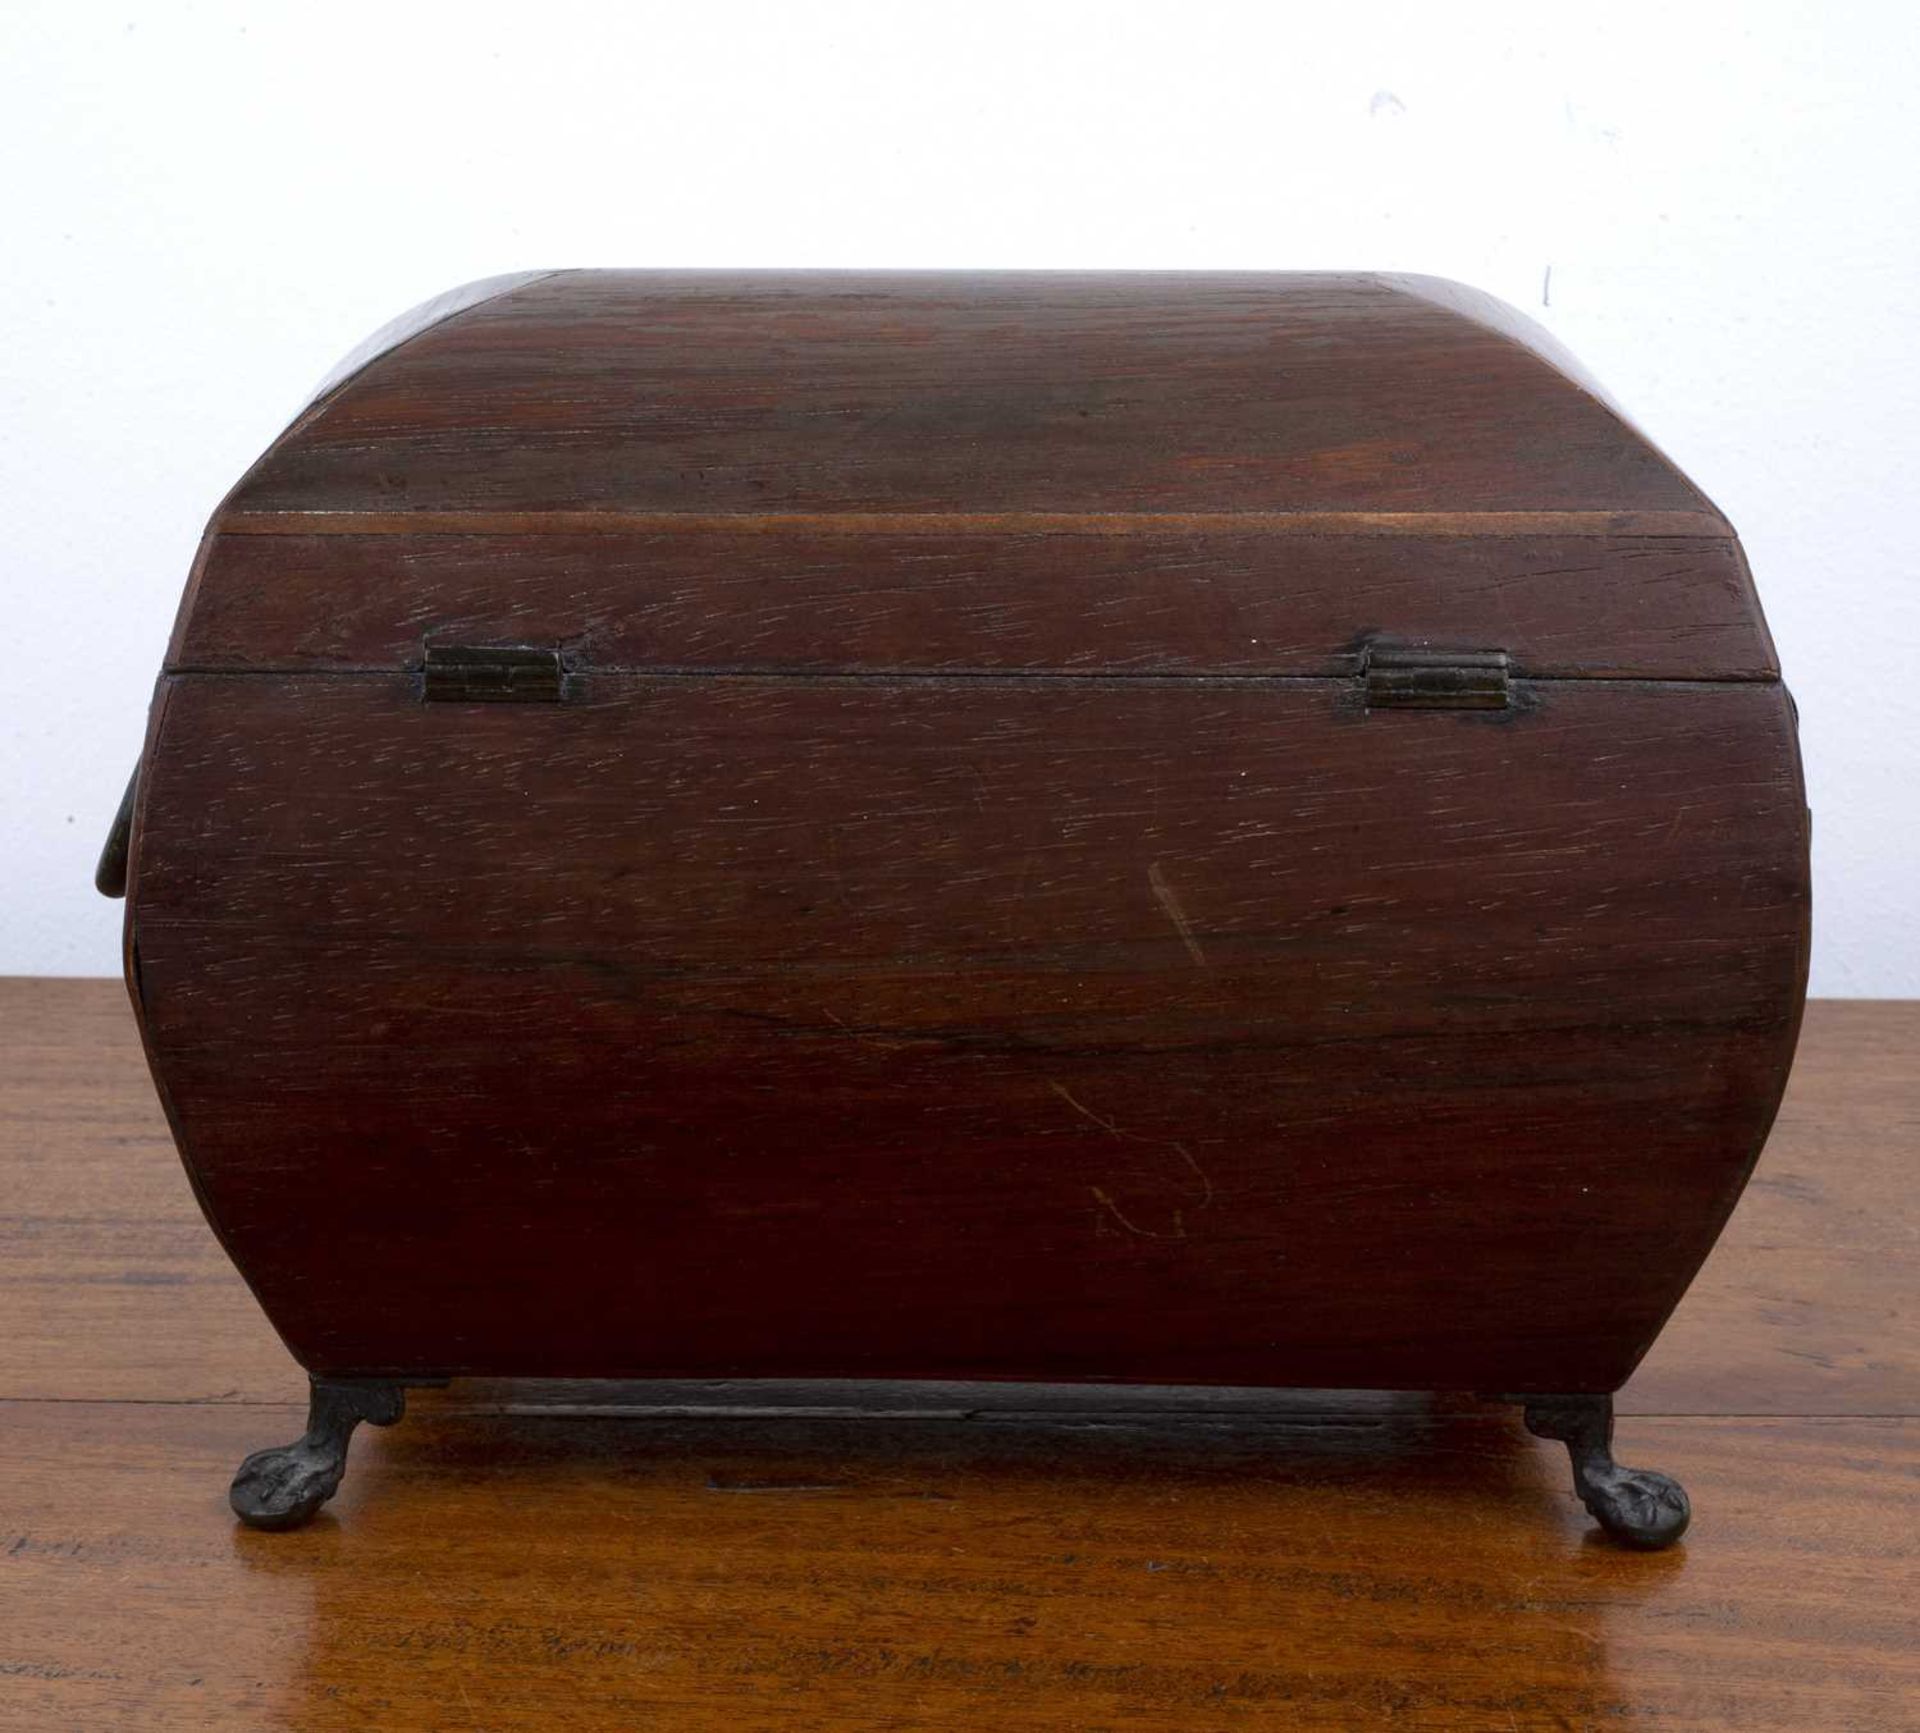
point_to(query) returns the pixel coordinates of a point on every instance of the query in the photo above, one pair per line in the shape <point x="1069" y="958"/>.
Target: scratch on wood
<point x="714" y="1484"/>
<point x="1106" y="1201"/>
<point x="1199" y="1173"/>
<point x="871" y="1040"/>
<point x="1179" y="1219"/>
<point x="1164" y="895"/>
<point x="1059" y="1089"/>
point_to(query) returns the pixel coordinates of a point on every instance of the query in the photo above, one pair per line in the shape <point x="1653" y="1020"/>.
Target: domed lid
<point x="640" y="392"/>
<point x="1092" y="471"/>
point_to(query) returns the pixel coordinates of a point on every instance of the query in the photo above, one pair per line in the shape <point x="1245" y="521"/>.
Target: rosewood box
<point x="1218" y="829"/>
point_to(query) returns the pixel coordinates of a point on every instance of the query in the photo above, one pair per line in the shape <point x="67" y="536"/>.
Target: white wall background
<point x="202" y="205"/>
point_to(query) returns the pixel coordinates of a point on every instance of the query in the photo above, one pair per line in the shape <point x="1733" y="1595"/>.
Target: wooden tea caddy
<point x="1215" y="829"/>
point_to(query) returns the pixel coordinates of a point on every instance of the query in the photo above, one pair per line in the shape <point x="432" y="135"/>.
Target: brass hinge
<point x="493" y="674"/>
<point x="1414" y="677"/>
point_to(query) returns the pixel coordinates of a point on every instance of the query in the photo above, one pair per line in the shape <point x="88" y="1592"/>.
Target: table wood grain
<point x="802" y="1556"/>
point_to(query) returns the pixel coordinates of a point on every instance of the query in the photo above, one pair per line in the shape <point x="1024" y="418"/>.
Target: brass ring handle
<point x="110" y="876"/>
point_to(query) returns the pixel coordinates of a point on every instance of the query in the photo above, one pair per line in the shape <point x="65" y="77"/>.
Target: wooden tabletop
<point x="797" y="1557"/>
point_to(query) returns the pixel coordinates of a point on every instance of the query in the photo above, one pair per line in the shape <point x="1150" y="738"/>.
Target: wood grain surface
<point x="1120" y="471"/>
<point x="1157" y="599"/>
<point x="964" y="919"/>
<point x="806" y="1556"/>
<point x="925" y="391"/>
<point x="1182" y="1031"/>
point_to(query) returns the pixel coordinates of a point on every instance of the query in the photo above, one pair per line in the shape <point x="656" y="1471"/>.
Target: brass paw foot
<point x="1635" y="1505"/>
<point x="283" y="1487"/>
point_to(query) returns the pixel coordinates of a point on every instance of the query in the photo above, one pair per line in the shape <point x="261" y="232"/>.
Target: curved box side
<point x="965" y="921"/>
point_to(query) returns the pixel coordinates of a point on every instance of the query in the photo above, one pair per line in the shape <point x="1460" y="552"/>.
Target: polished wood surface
<point x="714" y="1556"/>
<point x="1182" y="1032"/>
<point x="927" y="391"/>
<point x="964" y="919"/>
<point x="1123" y="472"/>
<point x="1146" y="599"/>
